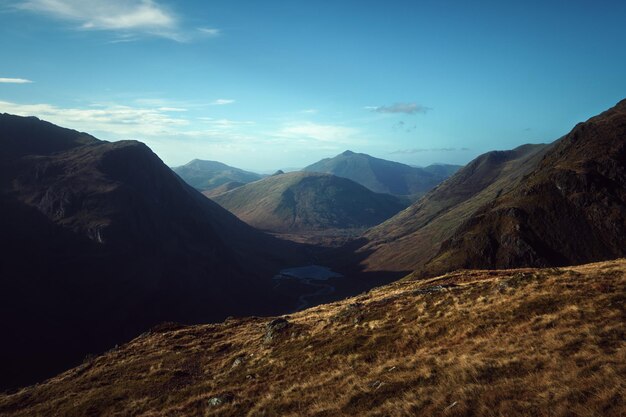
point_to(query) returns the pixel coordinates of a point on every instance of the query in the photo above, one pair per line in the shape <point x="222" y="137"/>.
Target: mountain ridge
<point x="379" y="175"/>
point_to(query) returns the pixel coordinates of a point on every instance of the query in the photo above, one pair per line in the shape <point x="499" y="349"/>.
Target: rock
<point x="220" y="399"/>
<point x="239" y="360"/>
<point x="274" y="328"/>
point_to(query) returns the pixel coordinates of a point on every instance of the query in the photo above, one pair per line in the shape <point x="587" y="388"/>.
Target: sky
<point x="271" y="84"/>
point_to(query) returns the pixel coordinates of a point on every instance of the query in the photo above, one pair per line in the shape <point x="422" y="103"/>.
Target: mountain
<point x="301" y="201"/>
<point x="570" y="209"/>
<point x="383" y="176"/>
<point x="541" y="342"/>
<point x="101" y="240"/>
<point x="207" y="175"/>
<point x="413" y="236"/>
<point x="538" y="205"/>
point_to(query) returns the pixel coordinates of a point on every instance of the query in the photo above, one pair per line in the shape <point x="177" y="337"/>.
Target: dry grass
<point x="531" y="342"/>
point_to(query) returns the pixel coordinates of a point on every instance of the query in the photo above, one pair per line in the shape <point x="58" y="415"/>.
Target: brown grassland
<point x="524" y="342"/>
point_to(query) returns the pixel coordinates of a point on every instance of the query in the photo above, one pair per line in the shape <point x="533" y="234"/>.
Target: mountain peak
<point x="347" y="153"/>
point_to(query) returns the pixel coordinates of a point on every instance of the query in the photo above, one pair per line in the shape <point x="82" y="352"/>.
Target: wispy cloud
<point x="128" y="18"/>
<point x="210" y="31"/>
<point x="310" y="111"/>
<point x="116" y="120"/>
<point x="420" y="150"/>
<point x="403" y="108"/>
<point x="315" y="131"/>
<point x="14" y="81"/>
<point x="222" y="102"/>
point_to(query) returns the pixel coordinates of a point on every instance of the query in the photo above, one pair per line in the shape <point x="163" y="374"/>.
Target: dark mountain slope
<point x="380" y="175"/>
<point x="101" y="240"/>
<point x="207" y="175"/>
<point x="414" y="235"/>
<point x="300" y="201"/>
<point x="21" y="136"/>
<point x="571" y="209"/>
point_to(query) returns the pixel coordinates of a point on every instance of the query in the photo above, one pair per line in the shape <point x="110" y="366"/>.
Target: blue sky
<point x="278" y="84"/>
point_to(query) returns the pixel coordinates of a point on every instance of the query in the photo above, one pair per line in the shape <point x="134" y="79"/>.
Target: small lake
<point x="311" y="272"/>
<point x="310" y="276"/>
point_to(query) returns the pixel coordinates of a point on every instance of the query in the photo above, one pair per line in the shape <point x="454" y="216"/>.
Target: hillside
<point x="301" y="201"/>
<point x="541" y="342"/>
<point x="537" y="205"/>
<point x="208" y="175"/>
<point x="383" y="176"/>
<point x="570" y="209"/>
<point x="101" y="240"/>
<point x="222" y="188"/>
<point x="414" y="235"/>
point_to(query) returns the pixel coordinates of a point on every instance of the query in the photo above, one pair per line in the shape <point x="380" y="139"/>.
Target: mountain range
<point x="101" y="241"/>
<point x="382" y="176"/>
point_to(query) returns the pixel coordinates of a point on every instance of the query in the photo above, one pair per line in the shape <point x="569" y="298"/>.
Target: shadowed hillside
<point x="101" y="240"/>
<point x="540" y="342"/>
<point x="383" y="176"/>
<point x="301" y="201"/>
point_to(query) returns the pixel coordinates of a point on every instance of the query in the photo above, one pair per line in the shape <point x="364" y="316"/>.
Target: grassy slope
<point x="299" y="201"/>
<point x="541" y="342"/>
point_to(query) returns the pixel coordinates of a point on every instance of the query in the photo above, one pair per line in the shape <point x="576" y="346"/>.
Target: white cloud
<point x="122" y="16"/>
<point x="122" y="122"/>
<point x="210" y="31"/>
<point x="14" y="81"/>
<point x="222" y="102"/>
<point x="405" y="108"/>
<point x="310" y="111"/>
<point x="319" y="132"/>
<point x="171" y="109"/>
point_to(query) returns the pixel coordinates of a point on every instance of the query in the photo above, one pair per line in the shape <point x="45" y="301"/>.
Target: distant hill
<point x="207" y="175"/>
<point x="382" y="176"/>
<point x="538" y="205"/>
<point x="223" y="188"/>
<point x="300" y="201"/>
<point x="101" y="240"/>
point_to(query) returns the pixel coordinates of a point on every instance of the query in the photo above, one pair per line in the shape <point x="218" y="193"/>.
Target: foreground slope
<point x="541" y="342"/>
<point x="306" y="201"/>
<point x="383" y="176"/>
<point x="208" y="175"/>
<point x="101" y="240"/>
